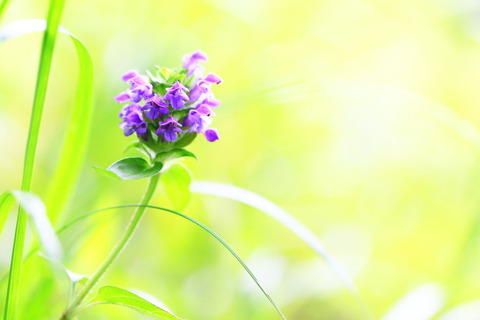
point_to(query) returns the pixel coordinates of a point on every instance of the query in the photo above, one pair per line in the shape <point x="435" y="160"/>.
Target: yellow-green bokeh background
<point x="358" y="117"/>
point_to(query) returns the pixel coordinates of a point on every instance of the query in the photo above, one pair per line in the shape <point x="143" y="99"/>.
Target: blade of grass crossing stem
<point x="256" y="201"/>
<point x="54" y="15"/>
<point x="271" y="209"/>
<point x="211" y="232"/>
<point x="76" y="138"/>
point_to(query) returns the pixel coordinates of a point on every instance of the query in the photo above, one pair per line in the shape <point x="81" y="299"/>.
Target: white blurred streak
<point x="35" y="208"/>
<point x="466" y="311"/>
<point x="422" y="303"/>
<point x="254" y="200"/>
<point x="22" y="27"/>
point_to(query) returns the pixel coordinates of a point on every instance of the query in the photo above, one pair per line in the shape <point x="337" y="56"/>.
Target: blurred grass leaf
<point x="466" y="311"/>
<point x="176" y="181"/>
<point x="422" y="303"/>
<point x="118" y="296"/>
<point x="35" y="208"/>
<point x="76" y="138"/>
<point x="271" y="209"/>
<point x="131" y="169"/>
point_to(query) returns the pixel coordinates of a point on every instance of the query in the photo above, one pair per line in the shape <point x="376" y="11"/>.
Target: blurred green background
<point x="359" y="117"/>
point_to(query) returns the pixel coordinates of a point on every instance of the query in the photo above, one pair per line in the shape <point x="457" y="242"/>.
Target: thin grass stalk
<point x="48" y="44"/>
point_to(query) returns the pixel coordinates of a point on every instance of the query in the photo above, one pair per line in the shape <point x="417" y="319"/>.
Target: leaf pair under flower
<point x="134" y="168"/>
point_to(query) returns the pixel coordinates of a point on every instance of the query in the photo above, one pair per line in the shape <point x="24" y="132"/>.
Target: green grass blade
<point x="199" y="224"/>
<point x="70" y="159"/>
<point x="48" y="44"/>
<point x="74" y="146"/>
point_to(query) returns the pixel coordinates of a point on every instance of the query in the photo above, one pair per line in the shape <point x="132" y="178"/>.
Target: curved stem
<point x="127" y="235"/>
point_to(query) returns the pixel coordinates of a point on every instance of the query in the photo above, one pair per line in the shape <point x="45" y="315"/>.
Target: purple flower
<point x="197" y="121"/>
<point x="155" y="107"/>
<point x="176" y="95"/>
<point x="204" y="109"/>
<point x="191" y="61"/>
<point x="212" y="135"/>
<point x="140" y="88"/>
<point x="169" y="129"/>
<point x="133" y="121"/>
<point x="202" y="87"/>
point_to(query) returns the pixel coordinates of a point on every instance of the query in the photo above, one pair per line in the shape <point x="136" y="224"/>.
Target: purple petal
<point x="123" y="97"/>
<point x="204" y="109"/>
<point x="191" y="61"/>
<point x="213" y="78"/>
<point x="128" y="131"/>
<point x="191" y="118"/>
<point x="130" y="74"/>
<point x="170" y="136"/>
<point x="212" y="135"/>
<point x="139" y="80"/>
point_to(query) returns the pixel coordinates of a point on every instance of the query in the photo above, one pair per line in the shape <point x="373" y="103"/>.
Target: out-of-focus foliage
<point x="359" y="117"/>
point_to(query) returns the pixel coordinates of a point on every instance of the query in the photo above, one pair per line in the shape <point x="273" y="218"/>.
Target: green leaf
<point x="176" y="184"/>
<point x="105" y="172"/>
<point x="165" y="73"/>
<point x="134" y="168"/>
<point x="173" y="154"/>
<point x="185" y="140"/>
<point x="126" y="298"/>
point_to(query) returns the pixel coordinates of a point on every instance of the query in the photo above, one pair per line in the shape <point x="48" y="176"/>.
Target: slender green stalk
<point x="127" y="235"/>
<point x="53" y="21"/>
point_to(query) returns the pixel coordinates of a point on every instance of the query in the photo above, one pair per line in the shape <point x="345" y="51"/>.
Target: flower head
<point x="167" y="109"/>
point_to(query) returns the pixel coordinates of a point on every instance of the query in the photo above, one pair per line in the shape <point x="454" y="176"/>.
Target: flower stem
<point x="127" y="235"/>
